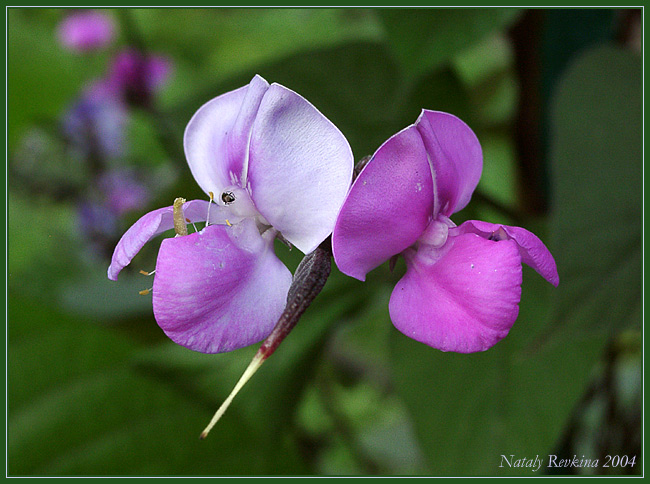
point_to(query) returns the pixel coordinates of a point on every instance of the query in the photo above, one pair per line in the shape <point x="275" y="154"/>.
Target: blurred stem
<point x="526" y="41"/>
<point x="166" y="131"/>
<point x="131" y="32"/>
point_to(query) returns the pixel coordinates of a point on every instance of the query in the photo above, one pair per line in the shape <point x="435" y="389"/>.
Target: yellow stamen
<point x="179" y="220"/>
<point x="228" y="223"/>
<point x="145" y="292"/>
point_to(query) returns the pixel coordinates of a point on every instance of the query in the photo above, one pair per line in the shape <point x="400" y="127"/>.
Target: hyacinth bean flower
<point x="273" y="166"/>
<point x="86" y="30"/>
<point x="95" y="124"/>
<point x="462" y="286"/>
<point x="136" y="77"/>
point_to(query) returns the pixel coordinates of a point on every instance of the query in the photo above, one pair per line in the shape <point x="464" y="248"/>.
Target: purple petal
<point x="206" y="142"/>
<point x="219" y="289"/>
<point x="300" y="168"/>
<point x="532" y="250"/>
<point x="465" y="301"/>
<point x="155" y="223"/>
<point x="456" y="157"/>
<point x="388" y="207"/>
<point x="86" y="30"/>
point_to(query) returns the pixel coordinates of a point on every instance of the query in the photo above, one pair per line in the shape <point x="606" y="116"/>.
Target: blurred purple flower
<point x="96" y="218"/>
<point x="137" y="77"/>
<point x="279" y="168"/>
<point x="95" y="124"/>
<point x="462" y="286"/>
<point x="118" y="192"/>
<point x="123" y="191"/>
<point x="86" y="30"/>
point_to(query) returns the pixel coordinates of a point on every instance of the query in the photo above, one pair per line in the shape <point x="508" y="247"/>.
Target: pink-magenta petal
<point x="155" y="223"/>
<point x="219" y="289"/>
<point x="456" y="158"/>
<point x="532" y="250"/>
<point x="300" y="168"/>
<point x="388" y="207"/>
<point x="86" y="30"/>
<point x="464" y="302"/>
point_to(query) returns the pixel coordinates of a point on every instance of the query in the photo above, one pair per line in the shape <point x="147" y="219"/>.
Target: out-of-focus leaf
<point x="141" y="415"/>
<point x="39" y="252"/>
<point x="139" y="412"/>
<point x="597" y="163"/>
<point x="41" y="75"/>
<point x="442" y="90"/>
<point x="484" y="60"/>
<point x="498" y="179"/>
<point x="220" y="43"/>
<point x="468" y="410"/>
<point x="95" y="296"/>
<point x="424" y="39"/>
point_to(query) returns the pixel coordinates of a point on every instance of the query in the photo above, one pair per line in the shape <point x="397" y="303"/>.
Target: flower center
<point x="436" y="233"/>
<point x="238" y="202"/>
<point x="240" y="206"/>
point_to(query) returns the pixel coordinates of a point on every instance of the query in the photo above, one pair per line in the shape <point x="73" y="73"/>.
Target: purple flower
<point x="94" y="125"/>
<point x="462" y="286"/>
<point x="86" y="30"/>
<point x="276" y="167"/>
<point x="123" y="191"/>
<point x="136" y="77"/>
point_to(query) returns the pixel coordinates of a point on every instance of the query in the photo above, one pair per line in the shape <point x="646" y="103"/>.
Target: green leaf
<point x="80" y="403"/>
<point x="597" y="163"/>
<point x="42" y="76"/>
<point x="212" y="45"/>
<point x="424" y="39"/>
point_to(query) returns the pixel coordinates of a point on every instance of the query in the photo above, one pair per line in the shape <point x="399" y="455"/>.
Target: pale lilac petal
<point x="300" y="168"/>
<point x="388" y="207"/>
<point x="155" y="223"/>
<point x="456" y="157"/>
<point x="464" y="302"/>
<point x="219" y="289"/>
<point x="532" y="250"/>
<point x="240" y="133"/>
<point x="86" y="30"/>
<point x="206" y="142"/>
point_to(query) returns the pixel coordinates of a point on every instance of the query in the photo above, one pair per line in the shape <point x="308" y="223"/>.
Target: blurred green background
<point x="555" y="96"/>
